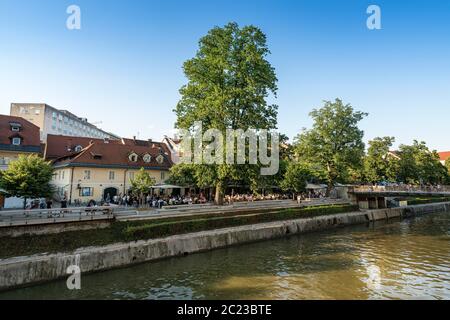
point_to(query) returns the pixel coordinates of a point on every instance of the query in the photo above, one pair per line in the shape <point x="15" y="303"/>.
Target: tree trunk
<point x="329" y="188"/>
<point x="218" y="199"/>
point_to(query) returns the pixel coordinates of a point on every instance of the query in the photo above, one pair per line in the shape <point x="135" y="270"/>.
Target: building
<point x="59" y="122"/>
<point x="96" y="169"/>
<point x="444" y="156"/>
<point x="17" y="136"/>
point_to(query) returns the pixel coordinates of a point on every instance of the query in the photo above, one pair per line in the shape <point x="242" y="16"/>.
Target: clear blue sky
<point x="124" y="66"/>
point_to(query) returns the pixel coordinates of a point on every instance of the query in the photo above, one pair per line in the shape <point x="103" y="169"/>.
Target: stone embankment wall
<point x="21" y="271"/>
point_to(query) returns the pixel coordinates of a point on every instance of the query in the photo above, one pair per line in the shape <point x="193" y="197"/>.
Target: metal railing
<point x="403" y="188"/>
<point x="55" y="215"/>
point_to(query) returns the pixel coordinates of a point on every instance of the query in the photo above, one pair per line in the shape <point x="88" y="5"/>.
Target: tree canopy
<point x="229" y="81"/>
<point x="142" y="183"/>
<point x="419" y="165"/>
<point x="27" y="177"/>
<point x="334" y="142"/>
<point x="380" y="164"/>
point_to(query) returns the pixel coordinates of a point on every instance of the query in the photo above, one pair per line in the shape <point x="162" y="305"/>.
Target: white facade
<point x="58" y="122"/>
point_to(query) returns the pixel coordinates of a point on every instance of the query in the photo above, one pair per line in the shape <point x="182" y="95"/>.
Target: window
<point x="16" y="141"/>
<point x="86" y="192"/>
<point x="111" y="175"/>
<point x="87" y="174"/>
<point x="62" y="175"/>
<point x="78" y="148"/>
<point x="163" y="176"/>
<point x="160" y="159"/>
<point x="131" y="175"/>
<point x="133" y="157"/>
<point x="37" y="112"/>
<point x="147" y="158"/>
<point x="15" y="128"/>
<point x="54" y="116"/>
<point x="4" y="161"/>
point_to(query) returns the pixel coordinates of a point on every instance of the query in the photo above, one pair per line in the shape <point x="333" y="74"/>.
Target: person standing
<point x="64" y="203"/>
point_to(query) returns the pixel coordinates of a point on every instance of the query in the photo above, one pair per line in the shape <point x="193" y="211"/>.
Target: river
<point x="407" y="259"/>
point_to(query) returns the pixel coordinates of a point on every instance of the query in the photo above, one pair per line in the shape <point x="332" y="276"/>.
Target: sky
<point x="123" y="68"/>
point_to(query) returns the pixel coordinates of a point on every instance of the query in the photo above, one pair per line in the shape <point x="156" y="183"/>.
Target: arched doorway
<point x="109" y="193"/>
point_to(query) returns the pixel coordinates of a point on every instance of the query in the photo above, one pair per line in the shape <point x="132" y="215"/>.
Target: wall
<point x="99" y="181"/>
<point x="41" y="229"/>
<point x="29" y="113"/>
<point x="25" y="270"/>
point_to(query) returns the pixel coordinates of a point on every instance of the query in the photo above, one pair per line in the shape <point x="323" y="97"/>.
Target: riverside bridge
<point x="368" y="197"/>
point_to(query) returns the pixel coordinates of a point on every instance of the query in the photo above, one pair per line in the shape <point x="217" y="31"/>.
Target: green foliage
<point x="334" y="142"/>
<point x="419" y="165"/>
<point x="229" y="81"/>
<point x="416" y="201"/>
<point x="27" y="177"/>
<point x="165" y="228"/>
<point x="183" y="175"/>
<point x="142" y="183"/>
<point x="296" y="177"/>
<point x="379" y="164"/>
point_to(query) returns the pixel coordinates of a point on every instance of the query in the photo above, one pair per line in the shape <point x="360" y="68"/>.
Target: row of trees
<point x="229" y="83"/>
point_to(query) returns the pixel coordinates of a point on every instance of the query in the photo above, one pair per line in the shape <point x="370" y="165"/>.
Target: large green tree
<point x="380" y="164"/>
<point x="420" y="165"/>
<point x="229" y="81"/>
<point x="334" y="142"/>
<point x="27" y="177"/>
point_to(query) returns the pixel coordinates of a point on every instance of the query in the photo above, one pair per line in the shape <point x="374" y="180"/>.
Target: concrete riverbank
<point x="20" y="271"/>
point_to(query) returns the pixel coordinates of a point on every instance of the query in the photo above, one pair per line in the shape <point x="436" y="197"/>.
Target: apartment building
<point x="58" y="122"/>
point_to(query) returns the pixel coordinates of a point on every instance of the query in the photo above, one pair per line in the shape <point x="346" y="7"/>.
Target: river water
<point x="407" y="259"/>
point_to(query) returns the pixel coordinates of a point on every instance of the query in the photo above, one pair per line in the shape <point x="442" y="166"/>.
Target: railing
<point x="403" y="188"/>
<point x="56" y="215"/>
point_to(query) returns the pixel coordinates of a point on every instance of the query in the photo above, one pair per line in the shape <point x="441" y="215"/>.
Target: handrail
<point x="403" y="188"/>
<point x="56" y="215"/>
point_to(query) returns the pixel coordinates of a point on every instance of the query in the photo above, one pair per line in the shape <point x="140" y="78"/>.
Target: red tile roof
<point x="444" y="155"/>
<point x="58" y="146"/>
<point x="28" y="132"/>
<point x="115" y="153"/>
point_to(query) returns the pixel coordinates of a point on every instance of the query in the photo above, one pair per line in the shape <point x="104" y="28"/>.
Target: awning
<point x="315" y="186"/>
<point x="166" y="186"/>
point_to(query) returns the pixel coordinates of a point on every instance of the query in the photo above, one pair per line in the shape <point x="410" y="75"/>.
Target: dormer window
<point x="16" y="141"/>
<point x="133" y="157"/>
<point x="78" y="148"/>
<point x="15" y="126"/>
<point x="160" y="159"/>
<point x="147" y="158"/>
